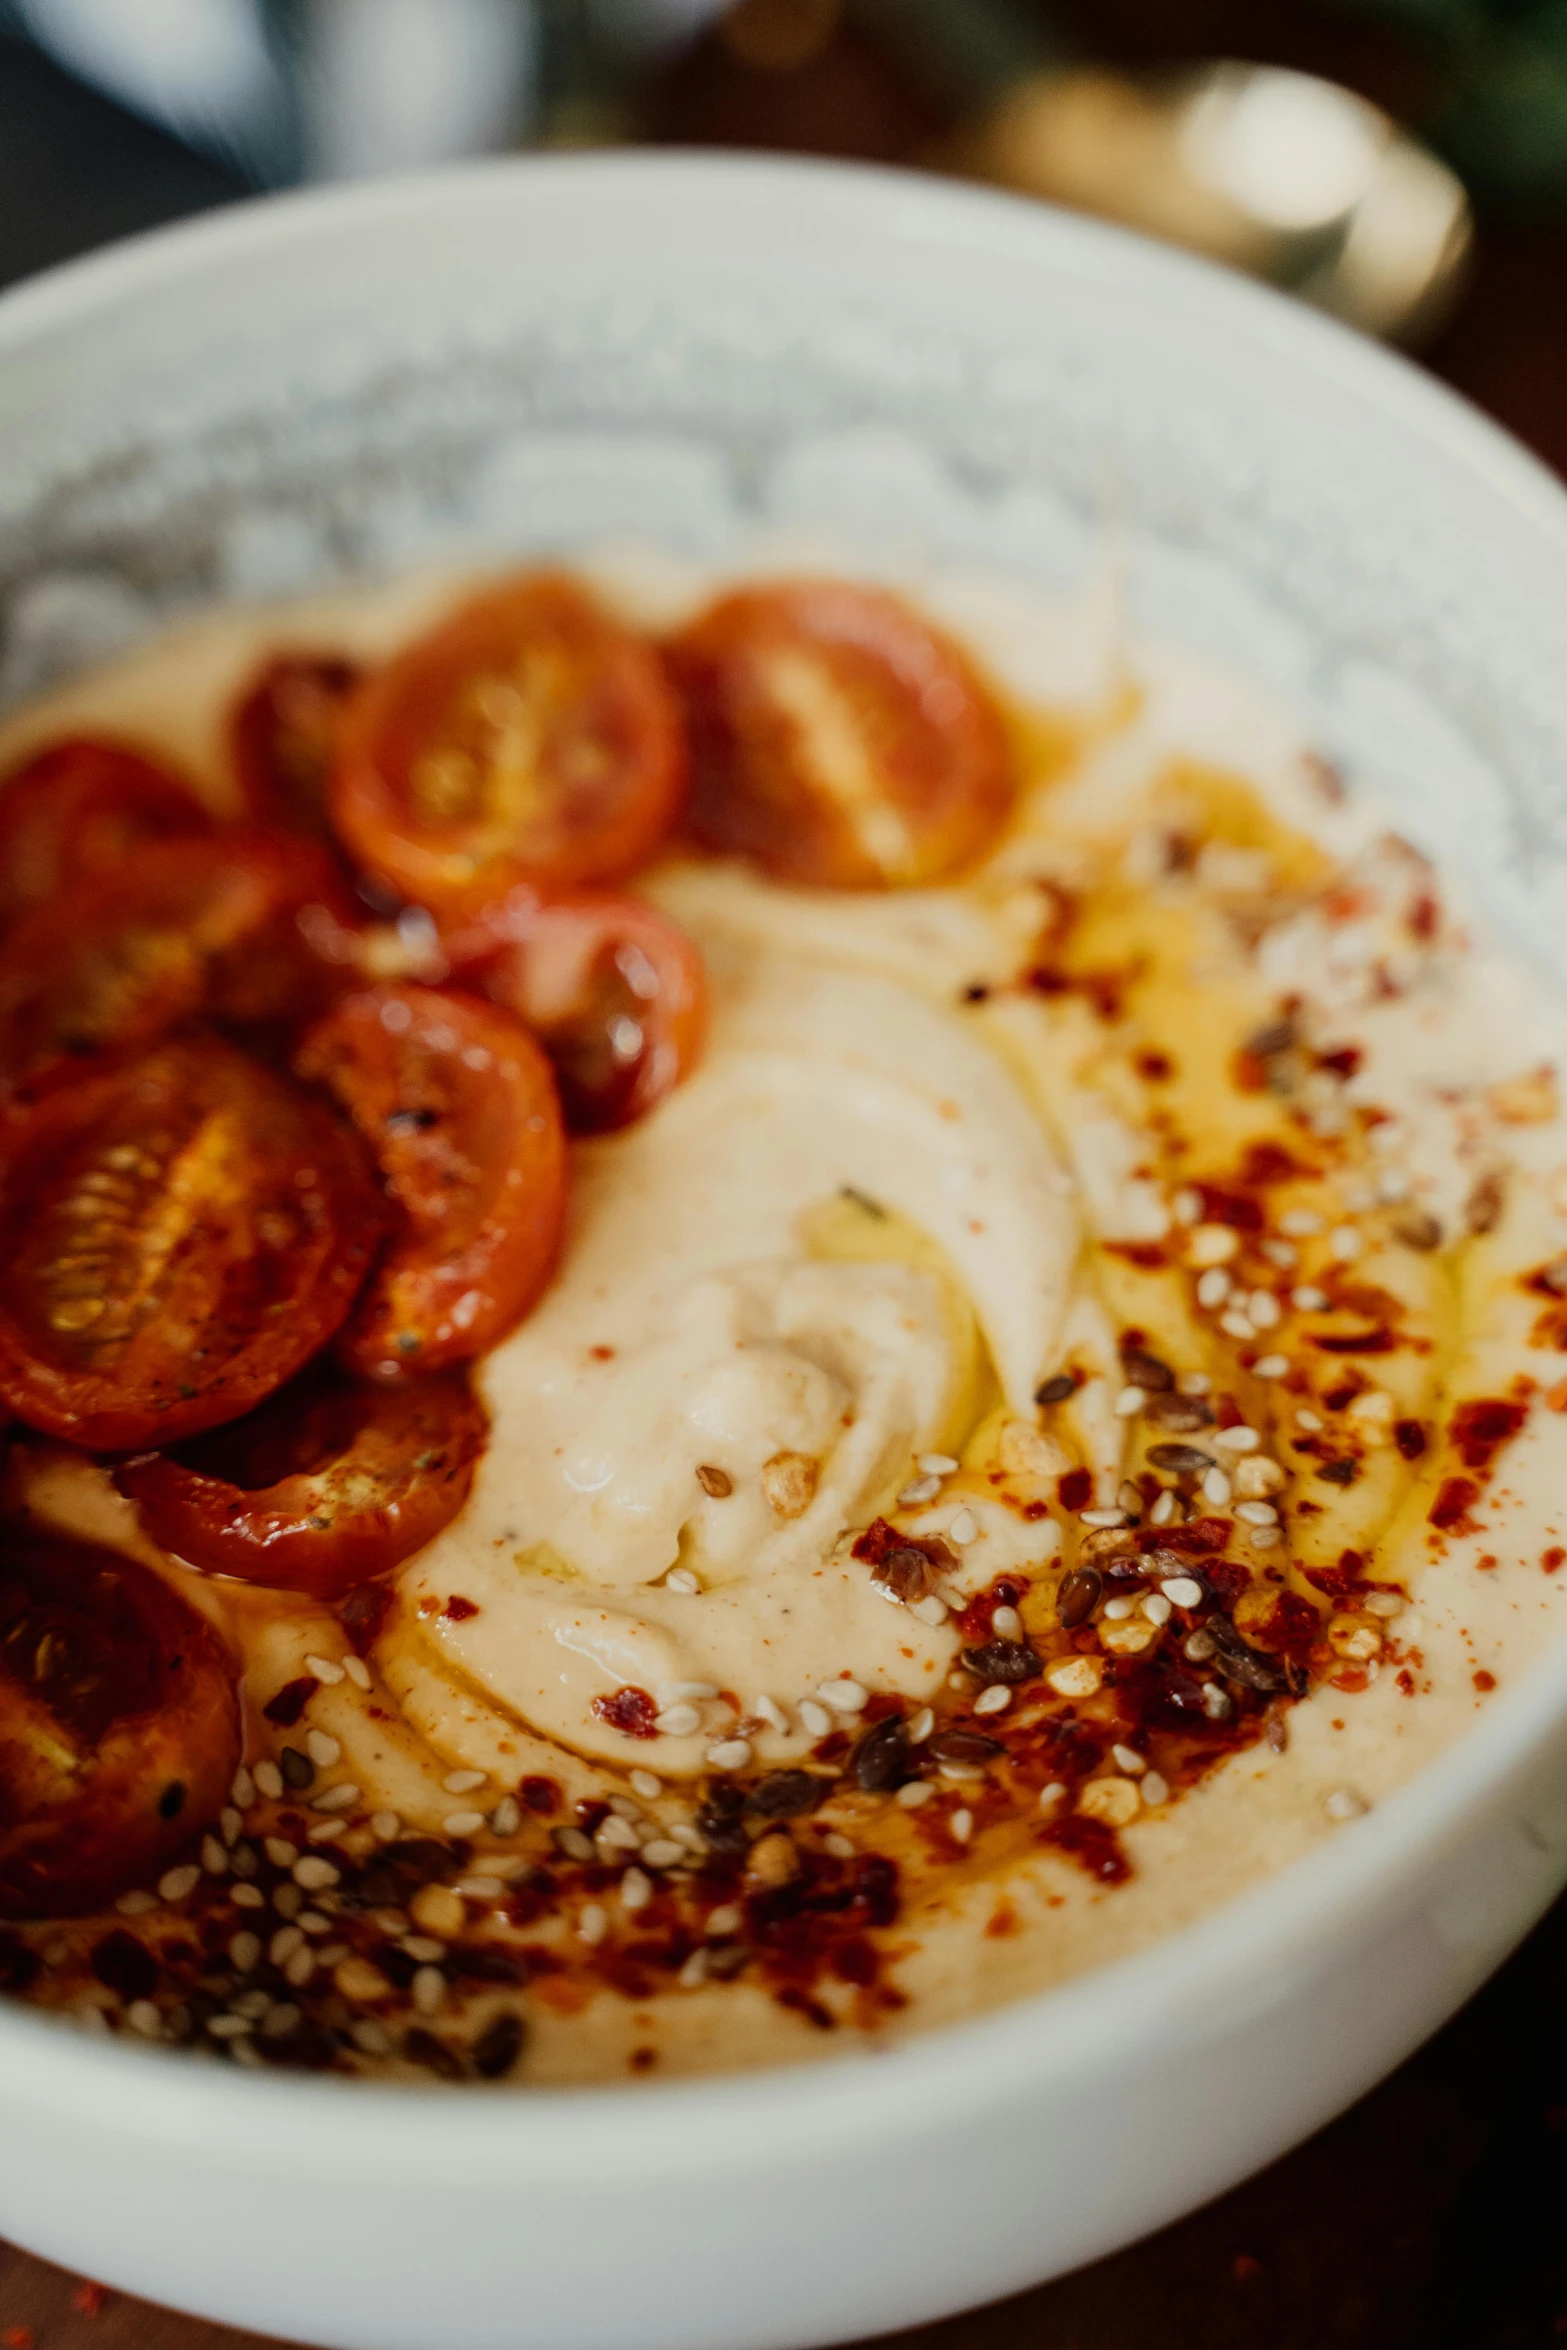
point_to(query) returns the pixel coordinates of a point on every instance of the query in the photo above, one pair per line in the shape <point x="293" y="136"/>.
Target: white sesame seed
<point x="1308" y="1299"/>
<point x="1164" y="1508"/>
<point x="323" y="1750"/>
<point x="1215" y="1702"/>
<point x="593" y="1923"/>
<point x="921" y="1726"/>
<point x="300" y="1968"/>
<point x="767" y="1709"/>
<point x="287" y="1900"/>
<point x="280" y="1852"/>
<point x="229" y="1824"/>
<point x="1156" y="1788"/>
<point x="1117" y="1610"/>
<point x="1310" y="1421"/>
<point x="269" y="1779"/>
<point x="815" y="1717"/>
<point x="325" y="1831"/>
<point x="1300" y="1223"/>
<point x="463" y="1782"/>
<point x="1237" y="1325"/>
<point x="1155" y="1607"/>
<point x="677" y="1721"/>
<point x="371" y="2038"/>
<point x="1345" y="1804"/>
<point x="1213" y="1288"/>
<point x="1271" y="1366"/>
<point x="1385" y="1603"/>
<point x="483" y="1888"/>
<point x="1076" y="1676"/>
<point x="1257" y="1513"/>
<point x="1102" y="1517"/>
<point x="930" y="1610"/>
<point x="1007" y="1624"/>
<point x="838" y="1846"/>
<point x="1129" y="1498"/>
<point x="143" y="2017"/>
<point x="313" y="1921"/>
<point x="1264" y="1537"/>
<point x="993" y="1700"/>
<point x="1186" y="1207"/>
<point x="727" y="1919"/>
<point x="136" y="1905"/>
<point x="385" y="1826"/>
<point x="844" y="1696"/>
<point x="636" y="1889"/>
<point x="1264" y="1309"/>
<point x="936" y="1464"/>
<point x="358" y="1671"/>
<point x="1282" y="1253"/>
<point x="1215" y="1487"/>
<point x="913" y="1793"/>
<point x="1182" y="1590"/>
<point x="681" y="1580"/>
<point x="694" y="1692"/>
<point x="340" y="1798"/>
<point x="315" y="1873"/>
<point x="424" y="1948"/>
<point x="175" y="1884"/>
<point x="1051" y="1794"/>
<point x="963" y="1528"/>
<point x="325" y="1669"/>
<point x="1212" y="1244"/>
<point x="1128" y="1759"/>
<point x="1130" y="1402"/>
<point x="923" y="1489"/>
<point x="243" y="1790"/>
<point x="617" y="1835"/>
<point x="248" y="1897"/>
<point x="644" y="1784"/>
<point x="1345" y="1243"/>
<point x="1197" y="1646"/>
<point x="730" y="1754"/>
<point x="1239" y="1439"/>
<point x="229" y="2027"/>
<point x="463" y="1823"/>
<point x="961" y="1826"/>
<point x="663" y="1853"/>
<point x="428" y="1990"/>
<point x="506" y="1818"/>
<point x="1193" y="1383"/>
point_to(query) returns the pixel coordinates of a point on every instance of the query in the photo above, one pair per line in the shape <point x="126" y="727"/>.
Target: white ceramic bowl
<point x="540" y="354"/>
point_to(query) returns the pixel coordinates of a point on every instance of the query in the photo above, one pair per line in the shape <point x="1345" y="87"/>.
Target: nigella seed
<point x="172" y="1801"/>
<point x="1145" y="1370"/>
<point x="298" y="1770"/>
<point x="1011" y="1661"/>
<point x="881" y="1759"/>
<point x="1055" y="1390"/>
<point x="423" y="2048"/>
<point x="1181" y="1460"/>
<point x="905" y="1572"/>
<point x="1078" y="1596"/>
<point x="783" y="1795"/>
<point x="498" y="2047"/>
<point x="125" y="1965"/>
<point x="961" y="1746"/>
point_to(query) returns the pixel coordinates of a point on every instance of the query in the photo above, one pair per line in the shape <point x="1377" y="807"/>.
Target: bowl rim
<point x="1292" y="1921"/>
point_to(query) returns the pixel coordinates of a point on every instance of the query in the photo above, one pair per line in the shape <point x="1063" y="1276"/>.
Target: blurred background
<point x="1402" y="163"/>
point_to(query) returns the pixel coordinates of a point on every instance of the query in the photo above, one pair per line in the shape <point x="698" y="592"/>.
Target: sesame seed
<point x="636" y="1889"/>
<point x="961" y="1826"/>
<point x="214" y="1859"/>
<point x="358" y="1671"/>
<point x="1156" y="1607"/>
<point x="1344" y="1243"/>
<point x="1197" y="1646"/>
<point x="1164" y="1508"/>
<point x="1264" y="1309"/>
<point x="300" y="1969"/>
<point x="229" y="1824"/>
<point x="1212" y="1289"/>
<point x="728" y="1918"/>
<point x="423" y="1947"/>
<point x="844" y="1696"/>
<point x="1127" y="1758"/>
<point x="1182" y="1590"/>
<point x="283" y="1945"/>
<point x="1237" y="1325"/>
<point x="325" y="1831"/>
<point x="1257" y="1513"/>
<point x="681" y="1580"/>
<point x="229" y="2027"/>
<point x="1186" y="1207"/>
<point x="371" y="2038"/>
<point x="1215" y="1702"/>
<point x="1271" y="1366"/>
<point x="663" y="1853"/>
<point x="280" y="1852"/>
<point x="1282" y="1253"/>
<point x="1051" y="1794"/>
<point x="1156" y="1788"/>
<point x="325" y="1670"/>
<point x="506" y="1818"/>
<point x="385" y="1826"/>
<point x="839" y="1846"/>
<point x="315" y="1874"/>
<point x="930" y="1610"/>
<point x="143" y="2017"/>
<point x="963" y="1528"/>
<point x="730" y="1754"/>
<point x="1076" y="1676"/>
<point x="463" y="1823"/>
<point x="1385" y="1603"/>
<point x="248" y="1897"/>
<point x="994" y="1700"/>
<point x="921" y="1726"/>
<point x="677" y="1721"/>
<point x="1241" y="1439"/>
<point x="1215" y="1487"/>
<point x="287" y="1900"/>
<point x="1263" y="1537"/>
<point x="618" y="1835"/>
<point x="913" y="1793"/>
<point x="1308" y="1299"/>
<point x="1212" y="1244"/>
<point x="175" y="1884"/>
<point x="593" y="1924"/>
<point x="1102" y="1517"/>
<point x="339" y="1798"/>
<point x="1129" y="1498"/>
<point x="923" y="1489"/>
<point x="1130" y="1402"/>
<point x="322" y="1750"/>
<point x="1117" y="1610"/>
<point x="815" y="1717"/>
<point x="768" y="1710"/>
<point x="697" y="1692"/>
<point x="694" y="1973"/>
<point x="936" y="1464"/>
<point x="428" y="1990"/>
<point x="243" y="1790"/>
<point x="482" y="1888"/>
<point x="136" y="1905"/>
<point x="1310" y="1421"/>
<point x="244" y="1952"/>
<point x="1193" y="1383"/>
<point x="644" y="1784"/>
<point x="1345" y="1804"/>
<point x="463" y="1782"/>
<point x="269" y="1779"/>
<point x="1007" y="1624"/>
<point x="1300" y="1223"/>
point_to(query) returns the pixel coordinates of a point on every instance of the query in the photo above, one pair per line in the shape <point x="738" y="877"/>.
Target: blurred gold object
<point x="1287" y="177"/>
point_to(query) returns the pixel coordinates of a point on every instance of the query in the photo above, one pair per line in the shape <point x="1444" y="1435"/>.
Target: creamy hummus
<point x="1196" y="1113"/>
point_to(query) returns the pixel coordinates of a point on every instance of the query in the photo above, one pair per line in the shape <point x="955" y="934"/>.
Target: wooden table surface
<point x="1434" y="2215"/>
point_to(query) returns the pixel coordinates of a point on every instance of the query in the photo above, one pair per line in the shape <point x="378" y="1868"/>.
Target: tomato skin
<point x="78" y="807"/>
<point x="119" y="1724"/>
<point x="283" y="738"/>
<point x="323" y="1488"/>
<point x="249" y="927"/>
<point x="530" y="737"/>
<point x="164" y="1263"/>
<point x="581" y="970"/>
<point x="459" y="1106"/>
<point x="836" y="739"/>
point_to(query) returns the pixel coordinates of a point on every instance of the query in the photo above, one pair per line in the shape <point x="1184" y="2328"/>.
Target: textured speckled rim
<point x="1287" y="1927"/>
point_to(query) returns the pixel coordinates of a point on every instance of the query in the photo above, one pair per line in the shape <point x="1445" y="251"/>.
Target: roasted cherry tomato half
<point x="283" y="738"/>
<point x="530" y="737"/>
<point x="325" y="1487"/>
<point x="176" y="1239"/>
<point x="242" y="926"/>
<point x="614" y="992"/>
<point x="837" y="739"/>
<point x="119" y="1724"/>
<point x="459" y="1106"/>
<point x="78" y="807"/>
